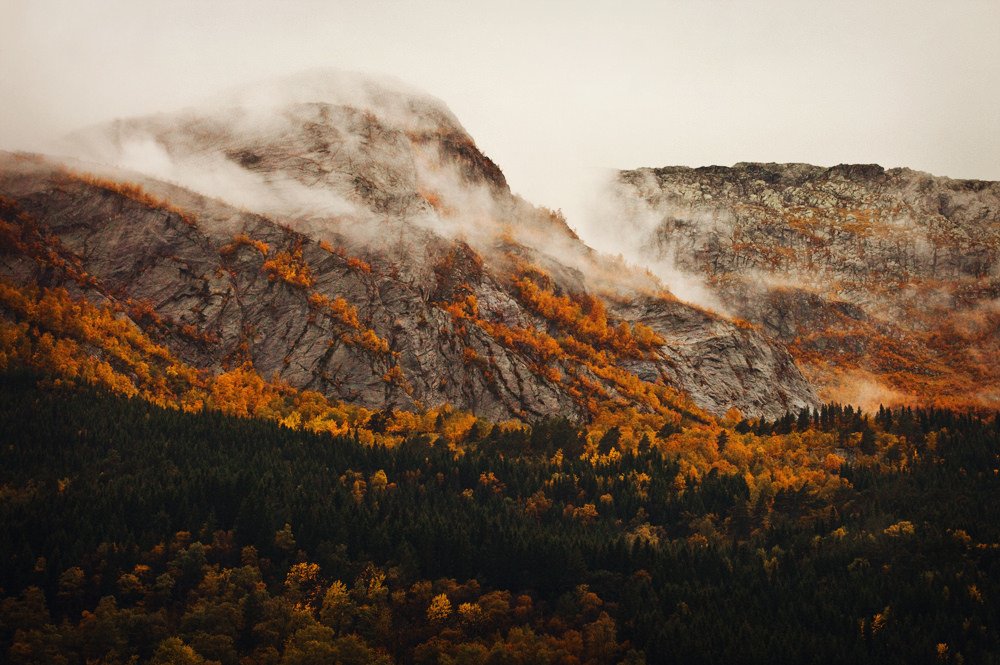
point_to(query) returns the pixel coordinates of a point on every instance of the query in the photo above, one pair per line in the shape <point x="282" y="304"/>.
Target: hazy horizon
<point x="554" y="93"/>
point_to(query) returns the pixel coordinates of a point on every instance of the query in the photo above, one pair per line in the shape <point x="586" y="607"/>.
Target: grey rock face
<point x="836" y="222"/>
<point x="383" y="176"/>
<point x="188" y="276"/>
<point x="893" y="273"/>
<point x="719" y="364"/>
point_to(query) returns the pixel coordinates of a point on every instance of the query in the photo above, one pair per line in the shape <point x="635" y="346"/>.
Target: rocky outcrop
<point x="194" y="276"/>
<point x="824" y="224"/>
<point x="721" y="365"/>
<point x="889" y="275"/>
<point x="357" y="243"/>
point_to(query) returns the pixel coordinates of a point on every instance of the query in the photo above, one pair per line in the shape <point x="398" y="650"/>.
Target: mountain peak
<point x="319" y="144"/>
<point x="370" y="251"/>
<point x="394" y="101"/>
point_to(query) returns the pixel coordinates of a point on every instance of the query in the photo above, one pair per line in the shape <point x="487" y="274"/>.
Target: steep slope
<point x="326" y="146"/>
<point x="884" y="284"/>
<point x="346" y="236"/>
<point x="220" y="287"/>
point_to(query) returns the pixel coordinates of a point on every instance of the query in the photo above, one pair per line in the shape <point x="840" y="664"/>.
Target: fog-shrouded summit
<point x="319" y="144"/>
<point x="393" y="100"/>
<point x="346" y="235"/>
<point x="885" y="284"/>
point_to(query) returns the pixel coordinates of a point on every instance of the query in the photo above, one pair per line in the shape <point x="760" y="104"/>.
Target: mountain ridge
<point x="179" y="301"/>
<point x="883" y="278"/>
<point x="375" y="201"/>
<point x="387" y="178"/>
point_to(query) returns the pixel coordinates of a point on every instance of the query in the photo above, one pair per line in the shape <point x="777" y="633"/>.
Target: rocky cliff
<point x="346" y="235"/>
<point x="884" y="284"/>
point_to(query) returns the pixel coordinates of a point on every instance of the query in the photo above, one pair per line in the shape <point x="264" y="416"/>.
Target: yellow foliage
<point x="901" y="528"/>
<point x="338" y="308"/>
<point x="471" y="614"/>
<point x="241" y="392"/>
<point x="368" y="340"/>
<point x="456" y="426"/>
<point x="345" y="314"/>
<point x="832" y="462"/>
<point x="395" y="376"/>
<point x="585" y="315"/>
<point x="303" y="585"/>
<point x="359" y="265"/>
<point x="585" y="513"/>
<point x="379" y="481"/>
<point x="290" y="268"/>
<point x="243" y="240"/>
<point x="440" y="609"/>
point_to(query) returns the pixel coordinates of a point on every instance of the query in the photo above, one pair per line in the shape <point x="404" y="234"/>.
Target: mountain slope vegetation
<point x="134" y="530"/>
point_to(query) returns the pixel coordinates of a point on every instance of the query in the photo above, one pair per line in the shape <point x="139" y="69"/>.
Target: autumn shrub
<point x="289" y="267"/>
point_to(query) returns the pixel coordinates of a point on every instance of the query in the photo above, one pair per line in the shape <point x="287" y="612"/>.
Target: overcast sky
<point x="553" y="91"/>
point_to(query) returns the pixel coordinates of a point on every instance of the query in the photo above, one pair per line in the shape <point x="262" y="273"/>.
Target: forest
<point x="131" y="532"/>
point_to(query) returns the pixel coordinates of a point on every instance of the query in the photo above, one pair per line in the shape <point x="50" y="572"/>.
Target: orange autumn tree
<point x="289" y="267"/>
<point x="241" y="392"/>
<point x="243" y="240"/>
<point x="346" y="314"/>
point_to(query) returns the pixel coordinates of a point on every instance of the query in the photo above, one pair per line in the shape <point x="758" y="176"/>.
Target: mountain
<point x="293" y="376"/>
<point x="883" y="284"/>
<point x="345" y="235"/>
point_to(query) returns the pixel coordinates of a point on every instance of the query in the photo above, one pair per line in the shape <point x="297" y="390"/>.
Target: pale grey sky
<point x="553" y="91"/>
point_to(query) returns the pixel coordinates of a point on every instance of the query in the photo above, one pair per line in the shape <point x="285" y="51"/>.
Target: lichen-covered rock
<point x="883" y="283"/>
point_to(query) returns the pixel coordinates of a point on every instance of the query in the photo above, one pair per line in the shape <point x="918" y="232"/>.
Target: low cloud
<point x="865" y="390"/>
<point x="620" y="222"/>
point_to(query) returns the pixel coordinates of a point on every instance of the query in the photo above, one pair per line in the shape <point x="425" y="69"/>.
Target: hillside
<point x="362" y="247"/>
<point x="884" y="284"/>
<point x="128" y="530"/>
<point x="293" y="377"/>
